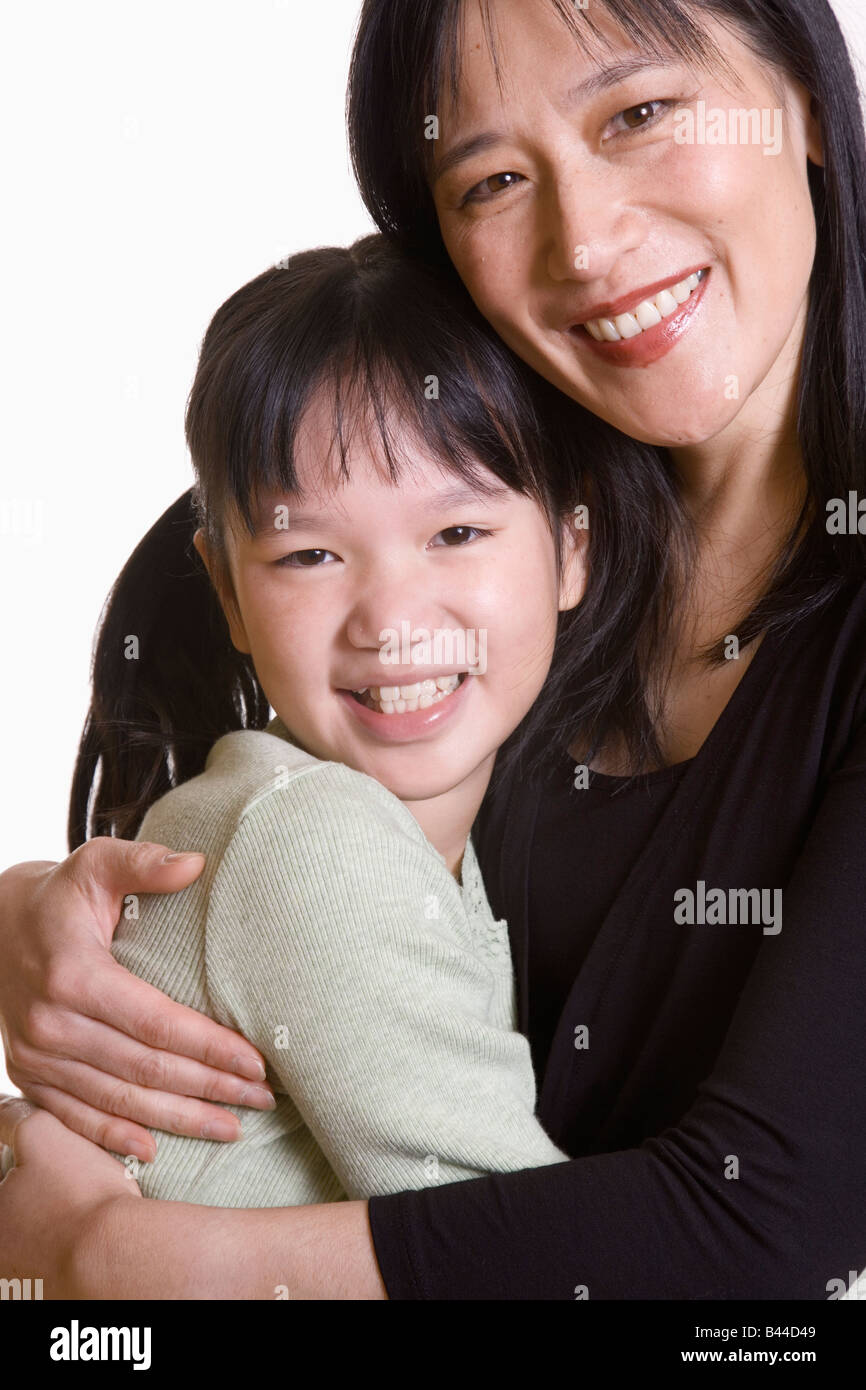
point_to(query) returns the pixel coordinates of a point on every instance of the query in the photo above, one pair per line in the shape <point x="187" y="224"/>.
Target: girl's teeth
<point x="646" y="315"/>
<point x="406" y="699"/>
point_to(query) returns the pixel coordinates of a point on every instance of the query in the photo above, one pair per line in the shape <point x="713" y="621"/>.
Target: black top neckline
<point x="718" y="733"/>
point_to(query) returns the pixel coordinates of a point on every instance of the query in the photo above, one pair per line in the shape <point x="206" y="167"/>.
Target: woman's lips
<point x="405" y="728"/>
<point x="653" y="343"/>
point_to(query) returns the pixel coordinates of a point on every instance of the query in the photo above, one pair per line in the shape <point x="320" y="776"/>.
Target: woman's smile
<point x="650" y="329"/>
<point x="579" y="219"/>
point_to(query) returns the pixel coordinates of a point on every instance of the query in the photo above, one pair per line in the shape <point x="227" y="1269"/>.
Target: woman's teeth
<point x="406" y="699"/>
<point x="647" y="314"/>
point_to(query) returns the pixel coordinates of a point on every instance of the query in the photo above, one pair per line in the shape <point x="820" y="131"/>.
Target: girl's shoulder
<point x="251" y="773"/>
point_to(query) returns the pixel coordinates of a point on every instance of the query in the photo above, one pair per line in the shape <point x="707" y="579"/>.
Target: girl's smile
<point x="313" y="603"/>
<point x="403" y="713"/>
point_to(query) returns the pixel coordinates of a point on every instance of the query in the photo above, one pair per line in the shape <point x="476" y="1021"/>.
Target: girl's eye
<point x="303" y="559"/>
<point x="645" y="114"/>
<point x="488" y="188"/>
<point x="461" y="534"/>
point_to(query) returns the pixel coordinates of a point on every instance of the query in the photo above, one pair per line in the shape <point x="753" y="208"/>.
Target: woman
<point x="659" y="208"/>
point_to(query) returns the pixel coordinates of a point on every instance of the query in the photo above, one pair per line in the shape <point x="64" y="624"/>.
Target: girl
<point x="356" y="478"/>
<point x="707" y="300"/>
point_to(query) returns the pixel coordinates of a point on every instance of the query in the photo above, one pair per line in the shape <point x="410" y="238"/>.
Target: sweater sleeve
<point x="675" y="1218"/>
<point x="372" y="1017"/>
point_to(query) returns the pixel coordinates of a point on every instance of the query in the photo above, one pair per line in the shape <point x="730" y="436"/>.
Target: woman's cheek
<point x="491" y="254"/>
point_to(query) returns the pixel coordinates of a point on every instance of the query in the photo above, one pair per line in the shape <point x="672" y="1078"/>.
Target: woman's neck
<point x="743" y="490"/>
<point x="750" y="475"/>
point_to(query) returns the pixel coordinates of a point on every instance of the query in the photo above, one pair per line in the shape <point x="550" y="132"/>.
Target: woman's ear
<point x="575" y="557"/>
<point x="221" y="580"/>
<point x="814" y="133"/>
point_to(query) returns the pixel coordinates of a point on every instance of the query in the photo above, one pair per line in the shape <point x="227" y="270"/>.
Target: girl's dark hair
<point x="379" y="333"/>
<point x="405" y="62"/>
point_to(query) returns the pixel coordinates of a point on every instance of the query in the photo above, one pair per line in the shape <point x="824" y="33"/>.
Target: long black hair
<point x="381" y="332"/>
<point x="405" y="60"/>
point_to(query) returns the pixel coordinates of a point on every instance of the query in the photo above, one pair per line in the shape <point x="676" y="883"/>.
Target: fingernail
<point x="220" y="1129"/>
<point x="138" y="1149"/>
<point x="173" y="858"/>
<point x="259" y="1097"/>
<point x="248" y="1067"/>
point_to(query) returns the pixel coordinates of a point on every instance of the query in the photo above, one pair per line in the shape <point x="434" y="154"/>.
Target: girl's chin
<point x="419" y="785"/>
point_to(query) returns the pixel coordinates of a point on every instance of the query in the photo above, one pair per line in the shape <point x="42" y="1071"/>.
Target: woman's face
<point x="337" y="590"/>
<point x="571" y="191"/>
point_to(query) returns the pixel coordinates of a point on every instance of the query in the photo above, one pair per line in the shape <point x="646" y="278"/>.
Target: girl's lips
<point x="405" y="728"/>
<point x="653" y="343"/>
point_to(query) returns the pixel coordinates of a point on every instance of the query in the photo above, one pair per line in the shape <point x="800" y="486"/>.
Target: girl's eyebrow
<point x="591" y="86"/>
<point x="459" y="495"/>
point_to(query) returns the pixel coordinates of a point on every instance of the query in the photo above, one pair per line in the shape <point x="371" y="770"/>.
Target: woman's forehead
<point x="479" y="36"/>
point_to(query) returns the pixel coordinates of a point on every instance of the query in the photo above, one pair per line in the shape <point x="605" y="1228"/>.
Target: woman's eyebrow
<point x="605" y="78"/>
<point x="591" y="86"/>
<point x="465" y="149"/>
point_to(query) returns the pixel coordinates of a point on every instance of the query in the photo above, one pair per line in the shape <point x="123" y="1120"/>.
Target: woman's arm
<point x="661" y="1221"/>
<point x="675" y="1218"/>
<point x="72" y="1212"/>
<point x="86" y="1039"/>
<point x="658" y="1222"/>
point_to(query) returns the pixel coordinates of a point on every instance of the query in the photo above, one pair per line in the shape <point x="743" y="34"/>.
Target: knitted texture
<point x="328" y="930"/>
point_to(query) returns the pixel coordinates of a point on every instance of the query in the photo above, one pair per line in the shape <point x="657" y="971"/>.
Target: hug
<point x="404" y="1007"/>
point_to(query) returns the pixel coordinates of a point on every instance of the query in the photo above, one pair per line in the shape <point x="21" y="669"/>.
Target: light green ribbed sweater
<point x="328" y="930"/>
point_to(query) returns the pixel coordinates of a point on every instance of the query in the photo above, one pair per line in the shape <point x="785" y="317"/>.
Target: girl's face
<point x="341" y="601"/>
<point x="571" y="191"/>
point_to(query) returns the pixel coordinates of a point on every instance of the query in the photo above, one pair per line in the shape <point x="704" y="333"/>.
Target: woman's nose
<point x="587" y="225"/>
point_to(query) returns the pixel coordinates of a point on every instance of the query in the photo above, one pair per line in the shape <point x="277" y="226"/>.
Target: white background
<point x="156" y="156"/>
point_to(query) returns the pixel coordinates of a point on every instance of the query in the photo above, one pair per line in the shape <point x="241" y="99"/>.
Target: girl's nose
<point x="392" y="606"/>
<point x="587" y="225"/>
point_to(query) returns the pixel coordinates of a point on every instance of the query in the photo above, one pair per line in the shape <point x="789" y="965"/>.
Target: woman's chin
<point x="672" y="426"/>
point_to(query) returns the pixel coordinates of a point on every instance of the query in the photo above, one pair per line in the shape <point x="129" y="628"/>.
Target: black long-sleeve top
<point x="706" y="1076"/>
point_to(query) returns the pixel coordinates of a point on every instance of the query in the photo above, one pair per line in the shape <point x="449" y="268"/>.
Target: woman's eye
<point x="646" y="113"/>
<point x="303" y="559"/>
<point x="461" y="534"/>
<point x="488" y="188"/>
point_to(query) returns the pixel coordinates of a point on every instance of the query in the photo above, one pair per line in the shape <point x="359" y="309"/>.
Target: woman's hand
<point x="73" y="1217"/>
<point x="54" y="1198"/>
<point x="89" y="1041"/>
